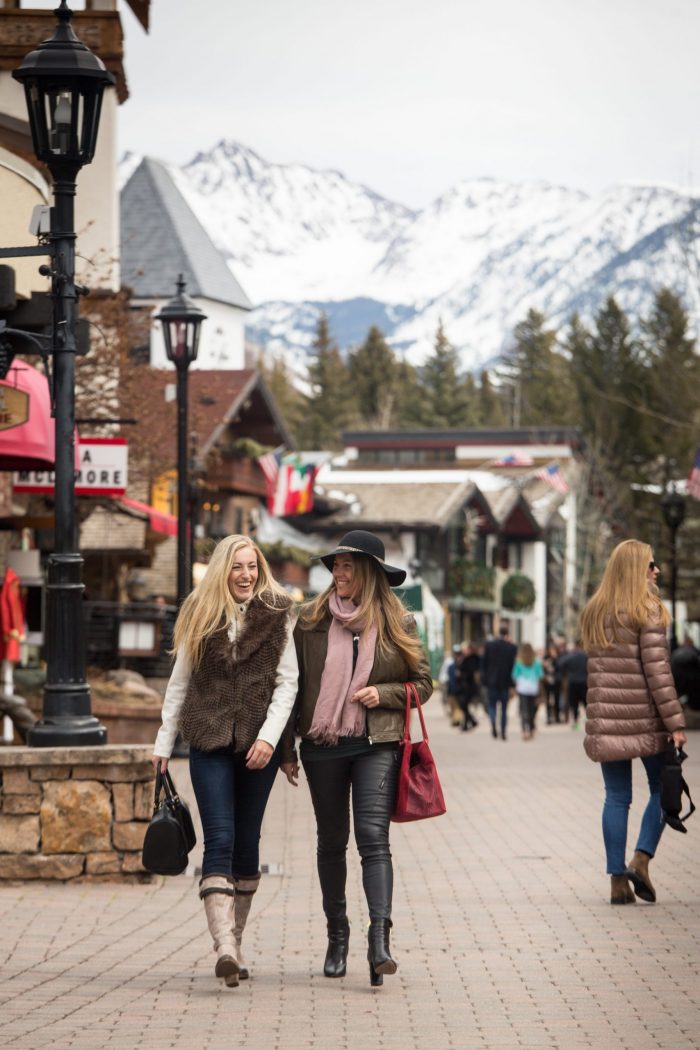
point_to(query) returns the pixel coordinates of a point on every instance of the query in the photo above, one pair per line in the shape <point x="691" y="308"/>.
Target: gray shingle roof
<point x="411" y="506"/>
<point x="162" y="237"/>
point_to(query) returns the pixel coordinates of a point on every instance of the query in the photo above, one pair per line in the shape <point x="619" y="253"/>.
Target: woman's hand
<point x="158" y="759"/>
<point x="259" y="755"/>
<point x="679" y="738"/>
<point x="291" y="771"/>
<point x="369" y="696"/>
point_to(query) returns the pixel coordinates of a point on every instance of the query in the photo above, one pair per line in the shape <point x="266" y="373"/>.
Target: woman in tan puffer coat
<point x="633" y="710"/>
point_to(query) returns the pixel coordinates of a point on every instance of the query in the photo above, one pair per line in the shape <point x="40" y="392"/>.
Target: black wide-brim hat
<point x="360" y="542"/>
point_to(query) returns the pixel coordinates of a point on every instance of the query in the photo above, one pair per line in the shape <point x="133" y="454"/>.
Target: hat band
<point x="356" y="550"/>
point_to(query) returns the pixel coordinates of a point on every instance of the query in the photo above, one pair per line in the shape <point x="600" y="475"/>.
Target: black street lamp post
<point x="64" y="82"/>
<point x="182" y="321"/>
<point x="673" y="507"/>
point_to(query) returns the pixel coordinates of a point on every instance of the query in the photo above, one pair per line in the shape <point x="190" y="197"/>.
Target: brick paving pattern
<point x="503" y="933"/>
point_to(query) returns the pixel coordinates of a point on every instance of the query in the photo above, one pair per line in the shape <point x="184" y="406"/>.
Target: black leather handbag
<point x="673" y="787"/>
<point x="170" y="835"/>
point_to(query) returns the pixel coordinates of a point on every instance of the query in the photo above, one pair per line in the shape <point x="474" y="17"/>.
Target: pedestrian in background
<point x="497" y="674"/>
<point x="574" y="669"/>
<point x="548" y="680"/>
<point x="527" y="675"/>
<point x="633" y="710"/>
<point x="467" y="687"/>
<point x="230" y="696"/>
<point x="449" y="680"/>
<point x="357" y="647"/>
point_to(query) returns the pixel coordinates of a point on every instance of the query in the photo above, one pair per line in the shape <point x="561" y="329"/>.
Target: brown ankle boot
<point x="637" y="872"/>
<point x="620" y="892"/>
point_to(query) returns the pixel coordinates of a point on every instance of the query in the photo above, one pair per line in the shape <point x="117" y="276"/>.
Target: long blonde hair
<point x="377" y="606"/>
<point x="625" y="597"/>
<point x="212" y="603"/>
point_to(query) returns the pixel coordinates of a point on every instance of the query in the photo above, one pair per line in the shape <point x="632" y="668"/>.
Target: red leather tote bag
<point x="418" y="793"/>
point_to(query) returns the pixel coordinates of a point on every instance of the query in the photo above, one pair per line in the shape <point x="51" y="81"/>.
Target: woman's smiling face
<point x="342" y="575"/>
<point x="244" y="574"/>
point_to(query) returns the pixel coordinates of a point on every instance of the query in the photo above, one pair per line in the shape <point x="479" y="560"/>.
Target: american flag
<point x="694" y="479"/>
<point x="270" y="466"/>
<point x="554" y="477"/>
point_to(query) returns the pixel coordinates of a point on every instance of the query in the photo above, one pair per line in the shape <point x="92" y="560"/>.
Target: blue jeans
<point x="496" y="697"/>
<point x="231" y="800"/>
<point x="618" y="797"/>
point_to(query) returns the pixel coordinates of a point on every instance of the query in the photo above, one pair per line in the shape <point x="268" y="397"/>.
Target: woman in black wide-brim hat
<point x="357" y="647"/>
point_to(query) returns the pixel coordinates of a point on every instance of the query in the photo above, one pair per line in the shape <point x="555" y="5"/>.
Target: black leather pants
<point x="371" y="778"/>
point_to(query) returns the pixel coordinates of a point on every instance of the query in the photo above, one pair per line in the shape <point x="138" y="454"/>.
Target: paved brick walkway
<point x="503" y="932"/>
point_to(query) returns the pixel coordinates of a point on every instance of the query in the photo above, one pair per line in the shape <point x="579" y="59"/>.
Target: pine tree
<point x="374" y="375"/>
<point x="673" y="369"/>
<point x="445" y="396"/>
<point x="490" y="403"/>
<point x="330" y="404"/>
<point x="537" y="375"/>
<point x="409" y="407"/>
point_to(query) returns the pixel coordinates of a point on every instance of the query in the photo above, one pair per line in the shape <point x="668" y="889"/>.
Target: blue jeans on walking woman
<point x="231" y="800"/>
<point x="618" y="797"/>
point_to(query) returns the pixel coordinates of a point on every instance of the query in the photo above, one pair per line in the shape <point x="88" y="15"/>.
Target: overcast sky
<point x="409" y="96"/>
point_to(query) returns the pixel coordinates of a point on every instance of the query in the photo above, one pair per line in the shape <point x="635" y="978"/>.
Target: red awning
<point x="157" y="519"/>
<point x="27" y="432"/>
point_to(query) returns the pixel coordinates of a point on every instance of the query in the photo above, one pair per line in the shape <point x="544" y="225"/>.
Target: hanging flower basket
<point x="518" y="593"/>
<point x="471" y="580"/>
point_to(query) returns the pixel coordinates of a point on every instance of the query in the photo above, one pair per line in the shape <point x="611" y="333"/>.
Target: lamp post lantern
<point x="673" y="507"/>
<point x="182" y="321"/>
<point x="64" y="83"/>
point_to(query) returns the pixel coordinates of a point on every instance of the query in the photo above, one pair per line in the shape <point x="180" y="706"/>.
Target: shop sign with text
<point x="103" y="470"/>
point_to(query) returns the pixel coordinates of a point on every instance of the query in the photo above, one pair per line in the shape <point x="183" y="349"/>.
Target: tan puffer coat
<point x="632" y="702"/>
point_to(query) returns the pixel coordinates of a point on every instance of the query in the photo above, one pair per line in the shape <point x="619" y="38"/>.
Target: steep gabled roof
<point x="216" y="397"/>
<point x="162" y="237"/>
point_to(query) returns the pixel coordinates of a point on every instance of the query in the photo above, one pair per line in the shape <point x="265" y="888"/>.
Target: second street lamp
<point x="64" y="83"/>
<point x="182" y="321"/>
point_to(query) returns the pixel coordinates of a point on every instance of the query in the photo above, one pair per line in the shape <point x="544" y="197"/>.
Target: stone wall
<point x="74" y="812"/>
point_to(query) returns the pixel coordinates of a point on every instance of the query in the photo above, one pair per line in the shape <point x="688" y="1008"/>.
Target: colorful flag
<point x="290" y="483"/>
<point x="514" y="460"/>
<point x="694" y="479"/>
<point x="554" y="477"/>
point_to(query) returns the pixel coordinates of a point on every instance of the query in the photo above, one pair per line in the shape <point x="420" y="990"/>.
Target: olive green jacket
<point x="389" y="674"/>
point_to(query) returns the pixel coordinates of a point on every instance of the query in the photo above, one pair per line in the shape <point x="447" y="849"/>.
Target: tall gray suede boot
<point x="244" y="891"/>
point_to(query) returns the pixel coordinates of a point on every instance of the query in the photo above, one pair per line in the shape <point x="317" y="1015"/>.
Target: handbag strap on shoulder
<point x="412" y="694"/>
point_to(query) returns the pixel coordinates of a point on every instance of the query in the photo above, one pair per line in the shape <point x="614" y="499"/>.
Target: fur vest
<point x="230" y="691"/>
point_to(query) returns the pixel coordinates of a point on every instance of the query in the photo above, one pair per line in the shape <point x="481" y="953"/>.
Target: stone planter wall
<point x="74" y="812"/>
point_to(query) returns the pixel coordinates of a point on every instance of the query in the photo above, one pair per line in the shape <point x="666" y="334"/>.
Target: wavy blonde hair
<point x="377" y="606"/>
<point x="211" y="602"/>
<point x="625" y="597"/>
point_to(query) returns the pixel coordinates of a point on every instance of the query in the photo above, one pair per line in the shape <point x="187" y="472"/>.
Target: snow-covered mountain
<point x="478" y="258"/>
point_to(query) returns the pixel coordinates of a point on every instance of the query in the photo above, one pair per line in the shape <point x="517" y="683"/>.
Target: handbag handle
<point x="412" y="691"/>
<point x="164" y="782"/>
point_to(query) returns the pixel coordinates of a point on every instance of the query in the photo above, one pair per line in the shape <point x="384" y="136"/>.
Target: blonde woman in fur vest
<point x="633" y="710"/>
<point x="357" y="647"/>
<point x="230" y="695"/>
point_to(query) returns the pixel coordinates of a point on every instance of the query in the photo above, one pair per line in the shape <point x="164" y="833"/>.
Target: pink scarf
<point x="335" y="715"/>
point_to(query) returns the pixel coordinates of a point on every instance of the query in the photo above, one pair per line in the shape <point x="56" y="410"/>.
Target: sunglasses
<point x="653" y="565"/>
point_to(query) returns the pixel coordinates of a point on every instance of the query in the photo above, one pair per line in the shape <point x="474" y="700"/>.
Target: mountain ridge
<point x="301" y="240"/>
